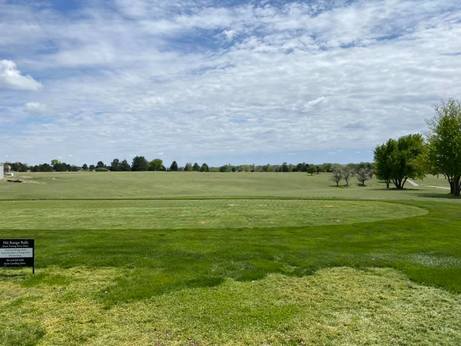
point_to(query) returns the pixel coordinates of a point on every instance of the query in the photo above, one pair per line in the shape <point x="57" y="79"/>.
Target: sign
<point x="17" y="253"/>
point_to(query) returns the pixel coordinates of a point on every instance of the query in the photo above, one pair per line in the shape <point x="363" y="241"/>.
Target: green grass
<point x="177" y="214"/>
<point x="340" y="306"/>
<point x="154" y="185"/>
<point x="237" y="258"/>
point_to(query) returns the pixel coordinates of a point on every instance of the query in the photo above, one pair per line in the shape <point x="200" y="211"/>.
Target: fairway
<point x="268" y="258"/>
<point x="209" y="213"/>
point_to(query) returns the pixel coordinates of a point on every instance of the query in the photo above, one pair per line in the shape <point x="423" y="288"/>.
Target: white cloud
<point x="11" y="77"/>
<point x="35" y="107"/>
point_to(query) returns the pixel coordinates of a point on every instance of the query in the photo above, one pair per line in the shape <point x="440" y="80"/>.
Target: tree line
<point x="140" y="163"/>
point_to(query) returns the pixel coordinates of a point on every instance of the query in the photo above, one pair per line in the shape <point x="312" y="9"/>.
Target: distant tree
<point x="92" y="167"/>
<point x="61" y="167"/>
<point x="196" y="167"/>
<point x="139" y="164"/>
<point x="188" y="167"/>
<point x="174" y="166"/>
<point x="156" y="165"/>
<point x="44" y="167"/>
<point x="100" y="164"/>
<point x="125" y="166"/>
<point x="204" y="168"/>
<point x="225" y="168"/>
<point x="326" y="167"/>
<point x="266" y="168"/>
<point x="284" y="167"/>
<point x="363" y="174"/>
<point x="337" y="174"/>
<point x="311" y="169"/>
<point x="347" y="173"/>
<point x="398" y="160"/>
<point x="85" y="167"/>
<point x="18" y="167"/>
<point x="115" y="165"/>
<point x="444" y="148"/>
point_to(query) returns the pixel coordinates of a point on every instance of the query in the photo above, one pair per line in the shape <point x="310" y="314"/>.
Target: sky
<point x="227" y="81"/>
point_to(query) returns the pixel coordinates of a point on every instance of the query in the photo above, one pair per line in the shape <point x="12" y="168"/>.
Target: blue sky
<point x="221" y="81"/>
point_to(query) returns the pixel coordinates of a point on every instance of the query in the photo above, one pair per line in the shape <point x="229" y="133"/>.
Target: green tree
<point x="156" y="165"/>
<point x="100" y="164"/>
<point x="196" y="167"/>
<point x="444" y="148"/>
<point x="188" y="167"/>
<point x="125" y="166"/>
<point x="311" y="169"/>
<point x="174" y="166"/>
<point x="85" y="167"/>
<point x="115" y="165"/>
<point x="398" y="160"/>
<point x="139" y="164"/>
<point x="204" y="168"/>
<point x="284" y="167"/>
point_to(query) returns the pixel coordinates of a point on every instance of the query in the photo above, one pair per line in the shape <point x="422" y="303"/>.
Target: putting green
<point x="180" y="214"/>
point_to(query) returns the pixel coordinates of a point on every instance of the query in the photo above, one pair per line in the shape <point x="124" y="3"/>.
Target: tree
<point x="284" y="167"/>
<point x="85" y="167"/>
<point x="363" y="174"/>
<point x="337" y="174"/>
<point x="204" y="168"/>
<point x="196" y="167"/>
<point x="398" y="160"/>
<point x="347" y="173"/>
<point x="115" y="165"/>
<point x="188" y="167"/>
<point x="156" y="165"/>
<point x="383" y="161"/>
<point x="444" y="148"/>
<point x="139" y="164"/>
<point x="311" y="169"/>
<point x="174" y="166"/>
<point x="100" y="164"/>
<point x="125" y="166"/>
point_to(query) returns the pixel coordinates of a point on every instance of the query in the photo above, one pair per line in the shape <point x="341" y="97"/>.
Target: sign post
<point x="15" y="253"/>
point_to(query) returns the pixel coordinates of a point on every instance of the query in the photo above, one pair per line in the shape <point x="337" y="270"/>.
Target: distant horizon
<point x="221" y="81"/>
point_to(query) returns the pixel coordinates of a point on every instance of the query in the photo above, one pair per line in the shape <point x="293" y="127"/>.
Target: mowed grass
<point x="177" y="214"/>
<point x="174" y="185"/>
<point x="230" y="258"/>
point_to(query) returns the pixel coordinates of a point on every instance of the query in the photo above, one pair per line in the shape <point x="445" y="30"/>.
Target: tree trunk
<point x="457" y="186"/>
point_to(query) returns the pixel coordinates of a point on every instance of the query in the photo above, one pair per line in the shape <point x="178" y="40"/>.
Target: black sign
<point x="17" y="253"/>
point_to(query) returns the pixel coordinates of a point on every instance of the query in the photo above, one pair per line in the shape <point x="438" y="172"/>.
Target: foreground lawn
<point x="333" y="306"/>
<point x="267" y="266"/>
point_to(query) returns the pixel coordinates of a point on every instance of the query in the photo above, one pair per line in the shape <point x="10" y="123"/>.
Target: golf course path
<point x="412" y="183"/>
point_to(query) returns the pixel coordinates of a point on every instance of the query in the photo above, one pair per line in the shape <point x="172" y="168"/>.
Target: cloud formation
<point x="227" y="80"/>
<point x="11" y="77"/>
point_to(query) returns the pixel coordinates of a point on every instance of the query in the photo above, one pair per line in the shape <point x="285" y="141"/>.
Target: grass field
<point x="244" y="258"/>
